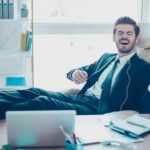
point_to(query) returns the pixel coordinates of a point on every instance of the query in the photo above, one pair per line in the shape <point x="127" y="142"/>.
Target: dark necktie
<point x="106" y="89"/>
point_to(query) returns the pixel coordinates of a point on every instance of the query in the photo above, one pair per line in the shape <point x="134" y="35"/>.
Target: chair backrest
<point x="144" y="42"/>
<point x="145" y="54"/>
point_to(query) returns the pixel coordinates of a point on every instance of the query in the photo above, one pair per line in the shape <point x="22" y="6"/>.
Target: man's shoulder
<point x="143" y="66"/>
<point x="108" y="55"/>
<point x="143" y="62"/>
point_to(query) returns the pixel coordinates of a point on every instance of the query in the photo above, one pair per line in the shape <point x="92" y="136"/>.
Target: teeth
<point x="125" y="42"/>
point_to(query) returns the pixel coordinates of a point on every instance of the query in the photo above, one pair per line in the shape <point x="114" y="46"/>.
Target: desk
<point x="114" y="116"/>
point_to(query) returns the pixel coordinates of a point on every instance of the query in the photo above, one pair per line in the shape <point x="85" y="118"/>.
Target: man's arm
<point x="85" y="71"/>
<point x="145" y="103"/>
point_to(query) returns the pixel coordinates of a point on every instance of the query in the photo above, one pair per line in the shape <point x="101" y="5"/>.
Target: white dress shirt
<point x="96" y="88"/>
<point x="149" y="88"/>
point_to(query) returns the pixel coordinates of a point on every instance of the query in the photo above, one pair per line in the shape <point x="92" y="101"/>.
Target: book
<point x="11" y="9"/>
<point x="133" y="126"/>
<point x="26" y="41"/>
<point x="5" y="9"/>
<point x="139" y="121"/>
<point x="1" y="10"/>
<point x="15" y="81"/>
<point x="29" y="40"/>
<point x="23" y="41"/>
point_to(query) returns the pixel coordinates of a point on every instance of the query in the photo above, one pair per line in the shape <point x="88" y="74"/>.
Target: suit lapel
<point x="128" y="66"/>
<point x="94" y="77"/>
<point x="120" y="76"/>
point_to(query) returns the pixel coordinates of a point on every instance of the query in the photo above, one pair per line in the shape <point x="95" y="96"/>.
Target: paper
<point x="91" y="131"/>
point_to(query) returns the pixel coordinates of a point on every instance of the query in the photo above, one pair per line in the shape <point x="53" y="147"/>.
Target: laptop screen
<point x="39" y="128"/>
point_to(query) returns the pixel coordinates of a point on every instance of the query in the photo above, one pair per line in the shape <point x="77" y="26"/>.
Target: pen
<point x="67" y="136"/>
<point x="117" y="129"/>
<point x="74" y="138"/>
<point x="124" y="132"/>
<point x="136" y="124"/>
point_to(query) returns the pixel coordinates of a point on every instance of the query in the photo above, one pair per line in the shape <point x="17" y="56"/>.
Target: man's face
<point x="125" y="39"/>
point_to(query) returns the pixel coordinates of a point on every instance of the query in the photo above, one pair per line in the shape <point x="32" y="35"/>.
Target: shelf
<point x="13" y="20"/>
<point x="15" y="62"/>
<point x="14" y="88"/>
<point x="18" y="53"/>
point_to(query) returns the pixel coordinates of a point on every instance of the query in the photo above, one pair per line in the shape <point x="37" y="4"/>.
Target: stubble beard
<point x="124" y="50"/>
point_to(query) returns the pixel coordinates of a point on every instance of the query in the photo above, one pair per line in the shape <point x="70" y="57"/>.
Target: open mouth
<point x="124" y="42"/>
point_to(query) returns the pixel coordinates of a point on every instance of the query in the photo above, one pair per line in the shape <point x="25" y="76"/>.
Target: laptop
<point x="39" y="128"/>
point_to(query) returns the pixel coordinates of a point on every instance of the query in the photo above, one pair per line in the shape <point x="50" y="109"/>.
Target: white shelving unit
<point x="14" y="62"/>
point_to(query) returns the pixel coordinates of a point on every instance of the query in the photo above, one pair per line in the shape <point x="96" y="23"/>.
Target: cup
<point x="70" y="146"/>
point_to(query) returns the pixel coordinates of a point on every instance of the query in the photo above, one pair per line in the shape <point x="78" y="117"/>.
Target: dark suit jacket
<point x="129" y="88"/>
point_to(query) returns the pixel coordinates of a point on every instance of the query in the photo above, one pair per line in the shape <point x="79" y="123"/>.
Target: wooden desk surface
<point x="145" y="145"/>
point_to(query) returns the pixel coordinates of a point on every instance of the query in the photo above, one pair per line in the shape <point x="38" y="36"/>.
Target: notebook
<point x="134" y="126"/>
<point x="38" y="128"/>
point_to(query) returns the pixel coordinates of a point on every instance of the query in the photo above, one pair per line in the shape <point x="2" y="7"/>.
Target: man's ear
<point x="137" y="39"/>
<point x="113" y="38"/>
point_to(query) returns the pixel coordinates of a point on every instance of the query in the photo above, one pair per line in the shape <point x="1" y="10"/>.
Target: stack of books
<point x="6" y="9"/>
<point x="26" y="41"/>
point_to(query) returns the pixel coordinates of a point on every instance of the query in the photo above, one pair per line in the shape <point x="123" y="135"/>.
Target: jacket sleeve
<point x="88" y="68"/>
<point x="145" y="101"/>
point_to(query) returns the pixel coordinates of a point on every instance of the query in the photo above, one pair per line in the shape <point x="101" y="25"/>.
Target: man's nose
<point x="124" y="35"/>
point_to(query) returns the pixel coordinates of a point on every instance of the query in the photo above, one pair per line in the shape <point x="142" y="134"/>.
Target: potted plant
<point x="24" y="11"/>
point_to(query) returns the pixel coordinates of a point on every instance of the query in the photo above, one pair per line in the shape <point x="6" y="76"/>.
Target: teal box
<point x="15" y="81"/>
<point x="77" y="146"/>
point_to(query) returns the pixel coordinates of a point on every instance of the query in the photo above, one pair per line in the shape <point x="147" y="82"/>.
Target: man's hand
<point x="79" y="76"/>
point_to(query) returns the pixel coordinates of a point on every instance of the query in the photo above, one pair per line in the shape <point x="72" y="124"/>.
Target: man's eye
<point x="130" y="33"/>
<point x="119" y="33"/>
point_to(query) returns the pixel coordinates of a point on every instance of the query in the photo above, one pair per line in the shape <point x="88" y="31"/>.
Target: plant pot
<point x="24" y="13"/>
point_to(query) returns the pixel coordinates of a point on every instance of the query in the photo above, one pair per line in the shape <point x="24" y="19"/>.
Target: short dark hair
<point x="127" y="20"/>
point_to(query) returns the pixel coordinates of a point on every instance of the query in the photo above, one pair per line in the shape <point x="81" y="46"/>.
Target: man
<point x="113" y="83"/>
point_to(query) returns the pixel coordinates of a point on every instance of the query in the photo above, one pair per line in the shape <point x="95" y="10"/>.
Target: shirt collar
<point x="124" y="59"/>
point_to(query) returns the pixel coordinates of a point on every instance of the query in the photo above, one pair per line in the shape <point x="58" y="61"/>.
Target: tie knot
<point x="116" y="61"/>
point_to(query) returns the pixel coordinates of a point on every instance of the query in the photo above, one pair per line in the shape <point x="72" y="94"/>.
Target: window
<point x="53" y="61"/>
<point x="72" y="33"/>
<point x="85" y="10"/>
